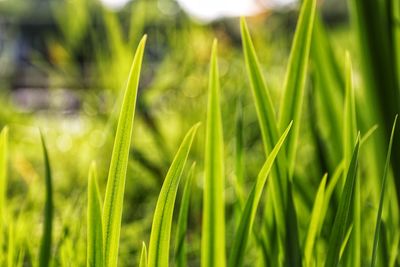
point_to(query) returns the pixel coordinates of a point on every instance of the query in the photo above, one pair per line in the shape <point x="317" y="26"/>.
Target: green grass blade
<point x="161" y="229"/>
<point x="239" y="154"/>
<point x="349" y="137"/>
<point x="247" y="219"/>
<point x="180" y="246"/>
<point x="112" y="211"/>
<point x="3" y="182"/>
<point x="383" y="190"/>
<point x="342" y="214"/>
<point x="94" y="223"/>
<point x="345" y="241"/>
<point x="315" y="221"/>
<point x="293" y="94"/>
<point x="268" y="126"/>
<point x="213" y="227"/>
<point x="45" y="245"/>
<point x="11" y="245"/>
<point x="143" y="256"/>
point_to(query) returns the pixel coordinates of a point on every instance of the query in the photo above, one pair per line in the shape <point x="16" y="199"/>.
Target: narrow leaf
<point x="94" y="223"/>
<point x="213" y="226"/>
<point x="45" y="245"/>
<point x="161" y="229"/>
<point x="293" y="94"/>
<point x="383" y="190"/>
<point x="342" y="214"/>
<point x="249" y="213"/>
<point x="180" y="246"/>
<point x="113" y="203"/>
<point x="315" y="222"/>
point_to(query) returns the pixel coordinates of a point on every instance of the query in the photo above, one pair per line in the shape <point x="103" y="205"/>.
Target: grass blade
<point x="342" y="214"/>
<point x="45" y="245"/>
<point x="180" y="246"/>
<point x="380" y="209"/>
<point x="3" y="183"/>
<point x="315" y="222"/>
<point x="94" y="223"/>
<point x="112" y="211"/>
<point x="293" y="94"/>
<point x="143" y="256"/>
<point x="213" y="228"/>
<point x="349" y="137"/>
<point x="249" y="213"/>
<point x="161" y="229"/>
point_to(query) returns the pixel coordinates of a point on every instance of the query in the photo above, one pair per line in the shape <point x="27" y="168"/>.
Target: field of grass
<point x="209" y="145"/>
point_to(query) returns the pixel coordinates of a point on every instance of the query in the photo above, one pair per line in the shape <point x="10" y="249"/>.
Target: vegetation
<point x="299" y="176"/>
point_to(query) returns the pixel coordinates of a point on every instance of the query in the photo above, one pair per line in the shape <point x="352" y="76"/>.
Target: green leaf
<point x="342" y="214"/>
<point x="180" y="246"/>
<point x="249" y="213"/>
<point x="268" y="126"/>
<point x="294" y="85"/>
<point x="213" y="226"/>
<point x="161" y="228"/>
<point x="3" y="183"/>
<point x="349" y="136"/>
<point x="315" y="222"/>
<point x="143" y="256"/>
<point x="383" y="190"/>
<point x="94" y="223"/>
<point x="45" y="245"/>
<point x="113" y="203"/>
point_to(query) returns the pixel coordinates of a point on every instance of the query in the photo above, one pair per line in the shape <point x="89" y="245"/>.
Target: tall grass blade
<point x="3" y="183"/>
<point x="380" y="209"/>
<point x="161" y="229"/>
<point x="315" y="222"/>
<point x="268" y="126"/>
<point x="143" y="256"/>
<point x="293" y="94"/>
<point x="94" y="223"/>
<point x="213" y="226"/>
<point x="180" y="245"/>
<point x="247" y="219"/>
<point x="342" y="214"/>
<point x="45" y="245"/>
<point x="349" y="137"/>
<point x="112" y="211"/>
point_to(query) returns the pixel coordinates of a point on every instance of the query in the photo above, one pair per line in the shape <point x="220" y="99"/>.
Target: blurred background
<point x="64" y="64"/>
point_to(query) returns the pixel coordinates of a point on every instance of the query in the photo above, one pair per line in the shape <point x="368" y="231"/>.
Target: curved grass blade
<point x="3" y="182"/>
<point x="112" y="211"/>
<point x="45" y="245"/>
<point x="161" y="229"/>
<point x="143" y="256"/>
<point x="315" y="222"/>
<point x="380" y="209"/>
<point x="247" y="219"/>
<point x="94" y="223"/>
<point x="342" y="214"/>
<point x="213" y="228"/>
<point x="293" y="94"/>
<point x="268" y="126"/>
<point x="180" y="246"/>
